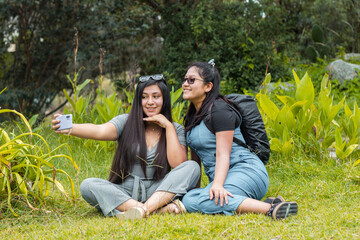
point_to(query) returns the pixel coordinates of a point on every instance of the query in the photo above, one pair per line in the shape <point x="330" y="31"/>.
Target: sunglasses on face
<point x="191" y="80"/>
<point x="156" y="77"/>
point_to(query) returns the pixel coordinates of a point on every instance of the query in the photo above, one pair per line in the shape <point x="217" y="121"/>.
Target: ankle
<point x="146" y="212"/>
<point x="270" y="211"/>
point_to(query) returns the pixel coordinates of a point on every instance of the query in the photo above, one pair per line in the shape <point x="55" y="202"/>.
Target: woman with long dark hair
<point x="149" y="146"/>
<point x="238" y="178"/>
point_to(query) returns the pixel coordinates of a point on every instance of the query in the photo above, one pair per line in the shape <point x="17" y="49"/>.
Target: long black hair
<point x="132" y="143"/>
<point x="208" y="73"/>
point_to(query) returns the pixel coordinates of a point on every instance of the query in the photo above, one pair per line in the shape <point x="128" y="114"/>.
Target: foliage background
<point x="147" y="36"/>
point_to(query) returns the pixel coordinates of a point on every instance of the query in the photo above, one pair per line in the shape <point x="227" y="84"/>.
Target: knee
<point x="86" y="185"/>
<point x="192" y="170"/>
<point x="191" y="166"/>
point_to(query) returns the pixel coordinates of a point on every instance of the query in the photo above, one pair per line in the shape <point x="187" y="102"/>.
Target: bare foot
<point x="170" y="208"/>
<point x="175" y="207"/>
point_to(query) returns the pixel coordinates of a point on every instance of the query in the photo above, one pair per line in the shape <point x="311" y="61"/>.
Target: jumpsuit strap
<point x="135" y="193"/>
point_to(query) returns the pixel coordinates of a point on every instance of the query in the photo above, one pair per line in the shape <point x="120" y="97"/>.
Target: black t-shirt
<point x="223" y="117"/>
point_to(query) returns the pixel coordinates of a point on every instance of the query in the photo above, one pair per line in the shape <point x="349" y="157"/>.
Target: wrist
<point x="169" y="126"/>
<point x="217" y="183"/>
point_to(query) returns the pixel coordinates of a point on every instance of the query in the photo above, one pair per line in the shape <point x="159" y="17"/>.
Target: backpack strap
<point x="208" y="124"/>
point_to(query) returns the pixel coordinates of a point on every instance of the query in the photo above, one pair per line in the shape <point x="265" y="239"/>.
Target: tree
<point x="231" y="32"/>
<point x="43" y="32"/>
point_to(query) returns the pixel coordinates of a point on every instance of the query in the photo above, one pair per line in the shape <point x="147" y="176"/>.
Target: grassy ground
<point x="327" y="194"/>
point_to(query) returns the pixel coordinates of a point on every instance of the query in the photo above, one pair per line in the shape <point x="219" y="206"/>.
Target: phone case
<point x="65" y="122"/>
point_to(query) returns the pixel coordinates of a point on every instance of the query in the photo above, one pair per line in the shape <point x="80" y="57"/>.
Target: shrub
<point x="27" y="168"/>
<point x="304" y="121"/>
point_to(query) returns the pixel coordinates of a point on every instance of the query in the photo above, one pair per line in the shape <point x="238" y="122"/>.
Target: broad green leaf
<point x="350" y="149"/>
<point x="339" y="152"/>
<point x="357" y="112"/>
<point x="268" y="107"/>
<point x="348" y="111"/>
<point x="286" y="135"/>
<point x="335" y="123"/>
<point x="357" y="162"/>
<point x="267" y="79"/>
<point x="288" y="146"/>
<point x="285" y="118"/>
<point x="295" y="108"/>
<point x="287" y="100"/>
<point x="275" y="145"/>
<point x="297" y="80"/>
<point x="338" y="139"/>
<point x="324" y="82"/>
<point x="175" y="95"/>
<point x="305" y="90"/>
<point x="33" y="119"/>
<point x="335" y="109"/>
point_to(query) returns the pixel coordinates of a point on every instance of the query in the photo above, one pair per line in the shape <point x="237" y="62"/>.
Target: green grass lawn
<point x="328" y="195"/>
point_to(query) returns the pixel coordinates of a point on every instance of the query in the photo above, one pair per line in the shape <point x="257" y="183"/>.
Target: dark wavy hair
<point x="209" y="74"/>
<point x="132" y="144"/>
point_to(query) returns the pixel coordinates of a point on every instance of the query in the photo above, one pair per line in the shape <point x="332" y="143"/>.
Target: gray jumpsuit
<point x="106" y="196"/>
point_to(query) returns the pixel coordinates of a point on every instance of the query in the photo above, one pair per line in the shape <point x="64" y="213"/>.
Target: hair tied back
<point x="212" y="62"/>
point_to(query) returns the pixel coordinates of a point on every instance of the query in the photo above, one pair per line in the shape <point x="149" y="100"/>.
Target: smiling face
<point x="196" y="92"/>
<point x="152" y="100"/>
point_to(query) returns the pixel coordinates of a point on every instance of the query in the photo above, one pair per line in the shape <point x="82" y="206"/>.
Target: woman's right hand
<point x="220" y="194"/>
<point x="56" y="125"/>
<point x="159" y="119"/>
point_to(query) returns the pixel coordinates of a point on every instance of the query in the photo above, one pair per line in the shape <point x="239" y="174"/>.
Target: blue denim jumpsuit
<point x="247" y="176"/>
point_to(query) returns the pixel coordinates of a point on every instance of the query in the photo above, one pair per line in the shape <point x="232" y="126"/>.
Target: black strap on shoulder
<point x="208" y="124"/>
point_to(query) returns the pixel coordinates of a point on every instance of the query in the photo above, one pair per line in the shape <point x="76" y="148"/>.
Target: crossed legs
<point x="158" y="200"/>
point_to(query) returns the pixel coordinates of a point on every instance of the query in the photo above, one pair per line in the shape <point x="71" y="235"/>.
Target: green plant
<point x="306" y="121"/>
<point x="80" y="103"/>
<point x="177" y="108"/>
<point x="27" y="167"/>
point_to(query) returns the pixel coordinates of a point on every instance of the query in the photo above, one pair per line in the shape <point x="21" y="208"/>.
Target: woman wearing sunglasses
<point x="238" y="178"/>
<point x="149" y="146"/>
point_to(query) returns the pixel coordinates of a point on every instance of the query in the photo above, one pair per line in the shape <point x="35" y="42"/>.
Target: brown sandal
<point x="179" y="205"/>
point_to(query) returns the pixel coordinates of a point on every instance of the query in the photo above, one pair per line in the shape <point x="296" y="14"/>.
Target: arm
<point x="176" y="153"/>
<point x="224" y="141"/>
<point x="105" y="132"/>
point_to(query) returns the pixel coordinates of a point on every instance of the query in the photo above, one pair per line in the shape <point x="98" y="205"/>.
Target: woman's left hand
<point x="220" y="193"/>
<point x="159" y="119"/>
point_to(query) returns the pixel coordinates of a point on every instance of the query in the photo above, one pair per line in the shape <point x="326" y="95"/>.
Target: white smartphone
<point x="65" y="122"/>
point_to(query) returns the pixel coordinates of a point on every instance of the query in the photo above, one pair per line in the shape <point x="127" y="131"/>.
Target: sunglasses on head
<point x="156" y="77"/>
<point x="191" y="80"/>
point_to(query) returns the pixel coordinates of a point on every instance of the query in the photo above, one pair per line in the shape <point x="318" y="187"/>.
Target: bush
<point x="27" y="168"/>
<point x="313" y="123"/>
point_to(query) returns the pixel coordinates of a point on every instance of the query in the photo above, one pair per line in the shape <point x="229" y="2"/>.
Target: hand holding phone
<point x="65" y="122"/>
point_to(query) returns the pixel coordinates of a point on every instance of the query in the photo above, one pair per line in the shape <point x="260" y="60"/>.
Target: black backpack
<point x="252" y="126"/>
